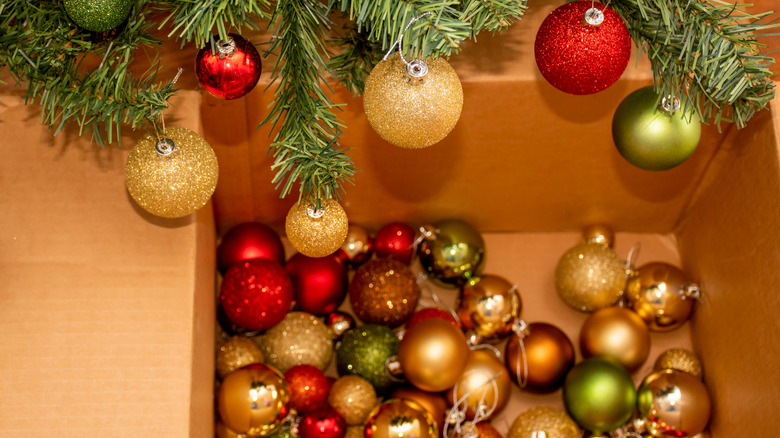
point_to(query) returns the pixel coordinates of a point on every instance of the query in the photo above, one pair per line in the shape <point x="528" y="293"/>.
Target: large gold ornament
<point x="300" y="338"/>
<point x="617" y="333"/>
<point x="679" y="359"/>
<point x="662" y="295"/>
<point x="433" y="402"/>
<point x="399" y="418"/>
<point x="353" y="397"/>
<point x="237" y="352"/>
<point x="317" y="233"/>
<point x="173" y="176"/>
<point x="673" y="403"/>
<point x="252" y="400"/>
<point x="590" y="276"/>
<point x="433" y="354"/>
<point x="412" y="112"/>
<point x="489" y="305"/>
<point x="552" y="422"/>
<point x="483" y="387"/>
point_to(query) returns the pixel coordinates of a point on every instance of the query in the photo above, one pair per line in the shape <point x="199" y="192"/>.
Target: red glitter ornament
<point x="395" y="240"/>
<point x="325" y="422"/>
<point x="247" y="241"/>
<point x="232" y="70"/>
<point x="308" y="388"/>
<point x="431" y="312"/>
<point x="581" y="58"/>
<point x="320" y="283"/>
<point x="256" y="294"/>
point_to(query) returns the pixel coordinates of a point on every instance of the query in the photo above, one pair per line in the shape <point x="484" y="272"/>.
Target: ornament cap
<point x="594" y="16"/>
<point x="670" y="104"/>
<point x="164" y="146"/>
<point x="417" y="68"/>
<point x="314" y="212"/>
<point x="226" y="47"/>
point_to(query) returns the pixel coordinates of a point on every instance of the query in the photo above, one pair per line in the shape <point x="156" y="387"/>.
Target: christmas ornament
<point x="353" y="397"/>
<point x="599" y="233"/>
<point x="679" y="359"/>
<point x="539" y="357"/>
<point x="252" y="400"/>
<point x="599" y="395"/>
<point x="673" y="403"/>
<point x="229" y="327"/>
<point x="617" y="333"/>
<point x="582" y="47"/>
<point x="412" y="105"/>
<point x="317" y="232"/>
<point x="483" y="388"/>
<point x="357" y="247"/>
<point x="231" y="69"/>
<point x="222" y="431"/>
<point x="486" y="430"/>
<point x="590" y="276"/>
<point x="300" y="338"/>
<point x="433" y="354"/>
<point x="173" y="176"/>
<point x="237" y="352"/>
<point x="452" y="253"/>
<point x="384" y="291"/>
<point x="433" y="402"/>
<point x="256" y="294"/>
<point x="98" y="15"/>
<point x="320" y="283"/>
<point x="662" y="295"/>
<point x="431" y="312"/>
<point x="364" y="351"/>
<point x="247" y="241"/>
<point x="354" y="432"/>
<point x="339" y="322"/>
<point x="544" y="421"/>
<point x="324" y="422"/>
<point x="652" y="136"/>
<point x="489" y="306"/>
<point x="399" y="418"/>
<point x="308" y="388"/>
<point x="396" y="240"/>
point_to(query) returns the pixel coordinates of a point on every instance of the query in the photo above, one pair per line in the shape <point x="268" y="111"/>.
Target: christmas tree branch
<point x="195" y="20"/>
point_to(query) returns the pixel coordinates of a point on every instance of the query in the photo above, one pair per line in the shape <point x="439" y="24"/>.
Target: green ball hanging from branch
<point x="98" y="15"/>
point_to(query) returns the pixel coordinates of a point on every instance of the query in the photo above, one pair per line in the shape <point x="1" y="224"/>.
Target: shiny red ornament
<point x="395" y="240"/>
<point x="324" y="422"/>
<point x="431" y="312"/>
<point x="308" y="388"/>
<point x="232" y="70"/>
<point x="320" y="283"/>
<point x="256" y="294"/>
<point x="247" y="241"/>
<point x="357" y="247"/>
<point x="581" y="58"/>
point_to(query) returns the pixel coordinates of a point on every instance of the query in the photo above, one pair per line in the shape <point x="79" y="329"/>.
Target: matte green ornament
<point x="452" y="253"/>
<point x="98" y="15"/>
<point x="364" y="351"/>
<point x="650" y="137"/>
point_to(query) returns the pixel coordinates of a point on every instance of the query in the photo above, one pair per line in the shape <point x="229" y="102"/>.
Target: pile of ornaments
<point x="406" y="370"/>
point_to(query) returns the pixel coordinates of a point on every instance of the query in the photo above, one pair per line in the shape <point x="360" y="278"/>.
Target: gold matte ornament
<point x="433" y="354"/>
<point x="484" y="385"/>
<point x="353" y="397"/>
<point x="673" y="403"/>
<point x="599" y="233"/>
<point x="617" y="333"/>
<point x="400" y="418"/>
<point x="662" y="295"/>
<point x="679" y="359"/>
<point x="552" y="422"/>
<point x="237" y="352"/>
<point x="590" y="276"/>
<point x="252" y="400"/>
<point x="173" y="185"/>
<point x="300" y="338"/>
<point x="411" y="112"/>
<point x="317" y="233"/>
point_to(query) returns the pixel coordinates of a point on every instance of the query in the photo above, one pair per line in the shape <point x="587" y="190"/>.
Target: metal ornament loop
<point x="417" y="68"/>
<point x="670" y="103"/>
<point x="226" y="47"/>
<point x="315" y="213"/>
<point x="164" y="146"/>
<point x="594" y="16"/>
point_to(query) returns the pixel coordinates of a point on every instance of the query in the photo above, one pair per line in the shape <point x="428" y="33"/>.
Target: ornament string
<point x="108" y="50"/>
<point x="457" y="414"/>
<point x="426" y="289"/>
<point x="416" y="68"/>
<point x="520" y="328"/>
<point x="165" y="145"/>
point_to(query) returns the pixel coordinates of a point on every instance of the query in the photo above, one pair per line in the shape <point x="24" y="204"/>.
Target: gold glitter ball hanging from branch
<point x="412" y="112"/>
<point x="317" y="233"/>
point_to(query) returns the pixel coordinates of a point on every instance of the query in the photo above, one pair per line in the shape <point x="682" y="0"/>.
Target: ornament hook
<point x="670" y="103"/>
<point x="594" y="16"/>
<point x="417" y="68"/>
<point x="226" y="47"/>
<point x="315" y="213"/>
<point x="164" y="146"/>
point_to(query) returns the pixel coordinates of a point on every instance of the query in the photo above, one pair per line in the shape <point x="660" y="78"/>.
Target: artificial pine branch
<point x="195" y="20"/>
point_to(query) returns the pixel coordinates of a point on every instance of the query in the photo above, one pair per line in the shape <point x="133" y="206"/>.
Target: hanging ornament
<point x="433" y="402"/>
<point x="483" y="388"/>
<point x="300" y="338"/>
<point x="433" y="354"/>
<point x="489" y="306"/>
<point x="654" y="136"/>
<point x="384" y="291"/>
<point x="544" y="421"/>
<point x="679" y="359"/>
<point x="538" y="357"/>
<point x="230" y="69"/>
<point x="171" y="176"/>
<point x="599" y="395"/>
<point x="452" y="253"/>
<point x="98" y="15"/>
<point x="339" y="322"/>
<point x="399" y="418"/>
<point x="308" y="387"/>
<point x="252" y="400"/>
<point x="617" y="333"/>
<point x="364" y="351"/>
<point x="590" y="276"/>
<point x="353" y="397"/>
<point x="320" y="283"/>
<point x="237" y="352"/>
<point x="599" y="233"/>
<point x="256" y="294"/>
<point x="673" y="403"/>
<point x="357" y="247"/>
<point x="396" y="240"/>
<point x="247" y="241"/>
<point x="582" y="47"/>
<point x="431" y="312"/>
<point x="662" y="295"/>
<point x="324" y="422"/>
<point x="317" y="232"/>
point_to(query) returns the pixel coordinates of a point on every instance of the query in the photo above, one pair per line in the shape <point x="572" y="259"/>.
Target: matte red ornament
<point x="581" y="58"/>
<point x="324" y="422"/>
<point x="320" y="283"/>
<point x="232" y="70"/>
<point x="247" y="241"/>
<point x="256" y="294"/>
<point x="431" y="312"/>
<point x="308" y="388"/>
<point x="395" y="240"/>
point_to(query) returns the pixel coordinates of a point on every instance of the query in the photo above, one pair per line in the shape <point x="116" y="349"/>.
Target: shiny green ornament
<point x="364" y="351"/>
<point x="599" y="395"/>
<point x="650" y="137"/>
<point x="452" y="253"/>
<point x="98" y="15"/>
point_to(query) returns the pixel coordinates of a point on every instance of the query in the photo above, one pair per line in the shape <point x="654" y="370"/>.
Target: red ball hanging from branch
<point x="232" y="70"/>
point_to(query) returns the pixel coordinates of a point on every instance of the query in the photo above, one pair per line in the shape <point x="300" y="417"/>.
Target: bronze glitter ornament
<point x="552" y="422"/>
<point x="679" y="359"/>
<point x="237" y="352"/>
<point x="384" y="291"/>
<point x="590" y="276"/>
<point x="300" y="338"/>
<point x="317" y="233"/>
<point x="353" y="397"/>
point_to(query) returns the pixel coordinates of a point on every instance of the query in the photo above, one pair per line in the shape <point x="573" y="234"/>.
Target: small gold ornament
<point x="599" y="233"/>
<point x="173" y="176"/>
<point x="300" y="338"/>
<point x="544" y="421"/>
<point x="237" y="352"/>
<point x="679" y="359"/>
<point x="353" y="397"/>
<point x="317" y="233"/>
<point x="590" y="276"/>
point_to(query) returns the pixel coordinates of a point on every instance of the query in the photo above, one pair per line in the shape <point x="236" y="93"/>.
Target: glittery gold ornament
<point x="353" y="397"/>
<point x="544" y="421"/>
<point x="354" y="432"/>
<point x="237" y="352"/>
<point x="174" y="176"/>
<point x="300" y="338"/>
<point x="317" y="233"/>
<point x="590" y="276"/>
<point x="679" y="359"/>
<point x="384" y="291"/>
<point x="408" y="111"/>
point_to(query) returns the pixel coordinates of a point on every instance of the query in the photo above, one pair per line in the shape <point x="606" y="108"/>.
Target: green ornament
<point x="364" y="351"/>
<point x="98" y="15"/>
<point x="650" y="137"/>
<point x="599" y="395"/>
<point x="452" y="253"/>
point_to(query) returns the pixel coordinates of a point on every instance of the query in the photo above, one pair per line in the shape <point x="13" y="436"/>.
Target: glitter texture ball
<point x="384" y="291"/>
<point x="364" y="351"/>
<point x="256" y="294"/>
<point x="412" y="112"/>
<point x="308" y="387"/>
<point x="300" y="338"/>
<point x="98" y="15"/>
<point x="353" y="397"/>
<point x="317" y="236"/>
<point x="324" y="422"/>
<point x="554" y="423"/>
<point x="590" y="276"/>
<point x="237" y="352"/>
<point x="172" y="185"/>
<point x="679" y="359"/>
<point x="578" y="58"/>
